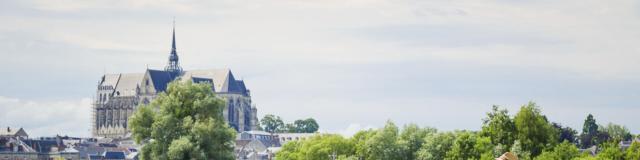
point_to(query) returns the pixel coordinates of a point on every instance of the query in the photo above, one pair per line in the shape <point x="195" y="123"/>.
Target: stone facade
<point x="118" y="95"/>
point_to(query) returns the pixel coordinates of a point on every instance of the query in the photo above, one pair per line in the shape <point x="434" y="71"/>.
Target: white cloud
<point x="291" y="53"/>
<point x="47" y="118"/>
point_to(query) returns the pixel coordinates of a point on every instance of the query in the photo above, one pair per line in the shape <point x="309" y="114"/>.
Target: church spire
<point x="173" y="65"/>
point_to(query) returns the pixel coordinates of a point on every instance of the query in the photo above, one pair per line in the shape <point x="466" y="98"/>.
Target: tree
<point x="436" y="146"/>
<point x="288" y="128"/>
<point x="564" y="151"/>
<point x="534" y="131"/>
<point x="290" y="151"/>
<point x="633" y="152"/>
<point x="469" y="146"/>
<point x="566" y="133"/>
<point x="188" y="124"/>
<point x="318" y="147"/>
<point x="499" y="126"/>
<point x="589" y="132"/>
<point x="519" y="151"/>
<point x="360" y="141"/>
<point x="383" y="145"/>
<point x="412" y="138"/>
<point x="308" y="125"/>
<point x="616" y="132"/>
<point x="272" y="123"/>
<point x="610" y="151"/>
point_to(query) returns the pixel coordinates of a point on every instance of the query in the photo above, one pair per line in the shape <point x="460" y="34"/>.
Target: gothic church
<point x="118" y="96"/>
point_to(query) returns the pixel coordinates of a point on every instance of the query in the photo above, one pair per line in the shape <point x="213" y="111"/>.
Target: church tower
<point x="118" y="95"/>
<point x="173" y="66"/>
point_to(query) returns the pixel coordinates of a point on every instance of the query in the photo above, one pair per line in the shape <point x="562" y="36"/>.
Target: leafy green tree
<point x="519" y="151"/>
<point x="563" y="151"/>
<point x="499" y="126"/>
<point x="616" y="132"/>
<point x="566" y="133"/>
<point x="308" y="125"/>
<point x="589" y="132"/>
<point x="462" y="147"/>
<point x="610" y="151"/>
<point x="484" y="149"/>
<point x="290" y="151"/>
<point x="318" y="147"/>
<point x="383" y="145"/>
<point x="288" y="128"/>
<point x="360" y="141"/>
<point x="412" y="138"/>
<point x="272" y="123"/>
<point x="633" y="152"/>
<point x="436" y="146"/>
<point x="185" y="122"/>
<point x="469" y="146"/>
<point x="533" y="130"/>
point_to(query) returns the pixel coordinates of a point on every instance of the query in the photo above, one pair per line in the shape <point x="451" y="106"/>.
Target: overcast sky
<point x="350" y="64"/>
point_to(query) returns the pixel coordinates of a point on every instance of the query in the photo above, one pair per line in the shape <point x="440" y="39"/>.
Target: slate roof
<point x="114" y="155"/>
<point x="128" y="84"/>
<point x="223" y="80"/>
<point x="160" y="79"/>
<point x="41" y="146"/>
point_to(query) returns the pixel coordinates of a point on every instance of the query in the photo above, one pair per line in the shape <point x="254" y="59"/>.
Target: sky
<point x="350" y="64"/>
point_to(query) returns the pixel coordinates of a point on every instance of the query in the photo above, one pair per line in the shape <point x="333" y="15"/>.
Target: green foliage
<point x="610" y="151"/>
<point x="412" y="138"/>
<point x="616" y="132"/>
<point x="436" y="146"/>
<point x="185" y="122"/>
<point x="566" y="133"/>
<point x="308" y="125"/>
<point x="470" y="146"/>
<point x="589" y="132"/>
<point x="633" y="152"/>
<point x="274" y="124"/>
<point x="529" y="135"/>
<point x="563" y="151"/>
<point x="319" y="147"/>
<point x="271" y="123"/>
<point x="290" y="151"/>
<point x="499" y="126"/>
<point x="384" y="145"/>
<point x="360" y="142"/>
<point x="519" y="151"/>
<point x="533" y="130"/>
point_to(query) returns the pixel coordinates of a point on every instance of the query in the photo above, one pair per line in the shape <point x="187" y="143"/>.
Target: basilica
<point x="118" y="95"/>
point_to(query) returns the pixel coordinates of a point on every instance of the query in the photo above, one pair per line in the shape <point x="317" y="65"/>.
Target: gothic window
<point x="231" y="114"/>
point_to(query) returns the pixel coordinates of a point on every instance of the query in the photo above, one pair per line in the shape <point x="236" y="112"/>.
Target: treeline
<point x="274" y="124"/>
<point x="528" y="134"/>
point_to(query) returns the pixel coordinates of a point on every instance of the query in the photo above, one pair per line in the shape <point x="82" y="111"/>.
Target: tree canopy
<point x="528" y="134"/>
<point x="499" y="126"/>
<point x="274" y="124"/>
<point x="533" y="130"/>
<point x="271" y="123"/>
<point x="185" y="122"/>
